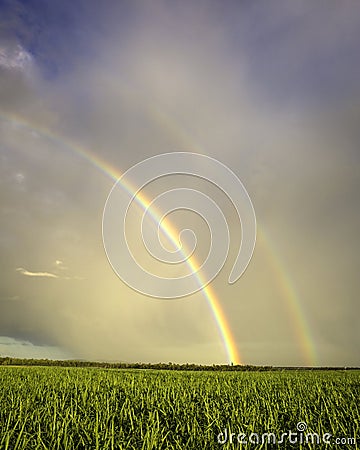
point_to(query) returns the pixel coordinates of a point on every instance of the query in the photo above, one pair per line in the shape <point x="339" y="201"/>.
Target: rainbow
<point x="222" y="324"/>
<point x="301" y="328"/>
<point x="218" y="314"/>
<point x="293" y="305"/>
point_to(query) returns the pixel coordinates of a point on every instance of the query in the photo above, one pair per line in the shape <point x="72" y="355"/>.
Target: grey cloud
<point x="186" y="78"/>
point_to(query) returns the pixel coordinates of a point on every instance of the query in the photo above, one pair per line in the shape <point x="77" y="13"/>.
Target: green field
<point x="77" y="408"/>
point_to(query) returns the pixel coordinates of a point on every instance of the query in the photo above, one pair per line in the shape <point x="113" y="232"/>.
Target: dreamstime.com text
<point x="293" y="437"/>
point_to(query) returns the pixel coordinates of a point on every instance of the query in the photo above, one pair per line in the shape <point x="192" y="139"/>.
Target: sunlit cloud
<point x="27" y="273"/>
<point x="60" y="266"/>
<point x="14" y="57"/>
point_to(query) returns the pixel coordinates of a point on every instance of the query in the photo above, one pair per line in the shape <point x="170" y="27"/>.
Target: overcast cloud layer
<point x="270" y="89"/>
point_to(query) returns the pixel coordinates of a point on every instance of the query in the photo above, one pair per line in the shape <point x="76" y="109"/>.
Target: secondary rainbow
<point x="300" y="326"/>
<point x="283" y="278"/>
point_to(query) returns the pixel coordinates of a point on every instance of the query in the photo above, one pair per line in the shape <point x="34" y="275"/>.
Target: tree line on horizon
<point x="11" y="361"/>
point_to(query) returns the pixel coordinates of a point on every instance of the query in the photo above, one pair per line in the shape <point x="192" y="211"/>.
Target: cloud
<point x="27" y="273"/>
<point x="60" y="265"/>
<point x="173" y="77"/>
<point x="18" y="348"/>
<point x="14" y="57"/>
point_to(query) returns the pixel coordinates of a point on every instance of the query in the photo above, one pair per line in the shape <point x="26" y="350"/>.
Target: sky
<point x="270" y="89"/>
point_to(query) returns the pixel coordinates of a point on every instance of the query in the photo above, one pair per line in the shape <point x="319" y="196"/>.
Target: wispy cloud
<point x="60" y="265"/>
<point x="27" y="273"/>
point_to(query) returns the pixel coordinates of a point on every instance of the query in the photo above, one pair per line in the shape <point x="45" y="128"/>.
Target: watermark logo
<point x="301" y="436"/>
<point x="156" y="222"/>
<point x="301" y="426"/>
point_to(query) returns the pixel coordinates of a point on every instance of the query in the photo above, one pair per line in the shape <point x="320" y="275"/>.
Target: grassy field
<point x="76" y="408"/>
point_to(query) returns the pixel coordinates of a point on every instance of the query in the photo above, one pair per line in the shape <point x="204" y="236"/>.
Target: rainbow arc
<point x="301" y="328"/>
